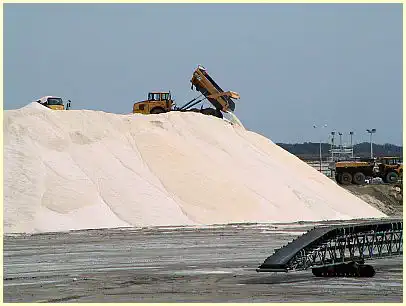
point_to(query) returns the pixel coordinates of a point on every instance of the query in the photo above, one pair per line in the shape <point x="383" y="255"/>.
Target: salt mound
<point x="81" y="169"/>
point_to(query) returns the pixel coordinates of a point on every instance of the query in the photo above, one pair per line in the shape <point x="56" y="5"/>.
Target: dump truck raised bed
<point x="220" y="99"/>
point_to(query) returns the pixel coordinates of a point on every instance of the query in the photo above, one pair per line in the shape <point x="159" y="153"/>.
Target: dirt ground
<point x="177" y="265"/>
<point x="385" y="197"/>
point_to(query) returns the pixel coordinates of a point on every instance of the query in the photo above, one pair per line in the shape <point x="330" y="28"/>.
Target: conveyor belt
<point x="338" y="243"/>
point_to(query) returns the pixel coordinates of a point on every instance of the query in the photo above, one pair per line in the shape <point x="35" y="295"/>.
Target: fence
<point x="324" y="167"/>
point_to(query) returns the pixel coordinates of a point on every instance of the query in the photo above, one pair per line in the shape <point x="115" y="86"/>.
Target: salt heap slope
<point x="82" y="169"/>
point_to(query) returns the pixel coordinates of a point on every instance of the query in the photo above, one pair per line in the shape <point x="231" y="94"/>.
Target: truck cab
<point x="52" y="102"/>
<point x="390" y="168"/>
<point x="157" y="102"/>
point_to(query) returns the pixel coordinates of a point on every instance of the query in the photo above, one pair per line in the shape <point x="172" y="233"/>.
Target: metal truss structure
<point x="338" y="244"/>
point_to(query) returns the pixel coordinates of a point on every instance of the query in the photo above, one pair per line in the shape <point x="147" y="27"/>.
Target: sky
<point x="294" y="65"/>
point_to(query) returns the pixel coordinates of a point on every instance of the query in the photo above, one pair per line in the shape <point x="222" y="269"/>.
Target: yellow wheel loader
<point x="55" y="103"/>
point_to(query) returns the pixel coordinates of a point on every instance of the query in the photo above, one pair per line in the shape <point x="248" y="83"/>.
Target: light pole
<point x="352" y="149"/>
<point x="341" y="144"/>
<point x="332" y="145"/>
<point x="315" y="126"/>
<point x="371" y="131"/>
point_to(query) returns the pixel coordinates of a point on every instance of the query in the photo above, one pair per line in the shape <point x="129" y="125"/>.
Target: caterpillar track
<point x="348" y="269"/>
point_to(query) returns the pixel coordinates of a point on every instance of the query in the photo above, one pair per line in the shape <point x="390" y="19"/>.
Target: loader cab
<point x="157" y="102"/>
<point x="55" y="103"/>
<point x="159" y="96"/>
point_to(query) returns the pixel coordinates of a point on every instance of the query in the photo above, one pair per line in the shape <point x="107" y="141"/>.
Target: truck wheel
<point x="338" y="178"/>
<point x="212" y="112"/>
<point x="346" y="178"/>
<point x="392" y="177"/>
<point x="209" y="111"/>
<point x="157" y="110"/>
<point x="219" y="114"/>
<point x="358" y="178"/>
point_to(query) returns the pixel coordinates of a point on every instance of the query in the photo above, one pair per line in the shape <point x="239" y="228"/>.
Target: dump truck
<point x="55" y="103"/>
<point x="161" y="102"/>
<point x="389" y="169"/>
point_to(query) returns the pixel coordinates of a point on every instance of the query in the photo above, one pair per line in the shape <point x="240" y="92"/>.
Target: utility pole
<point x="315" y="126"/>
<point x="371" y="131"/>
<point x="352" y="149"/>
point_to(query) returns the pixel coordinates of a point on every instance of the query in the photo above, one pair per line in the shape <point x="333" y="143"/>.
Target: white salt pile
<point x="81" y="169"/>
